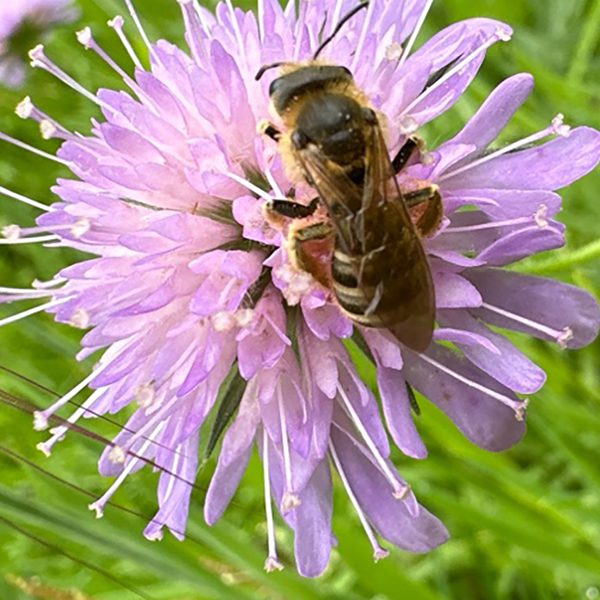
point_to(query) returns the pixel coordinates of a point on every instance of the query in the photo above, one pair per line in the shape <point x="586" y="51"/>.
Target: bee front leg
<point x="403" y="155"/>
<point x="291" y="209"/>
<point x="267" y="128"/>
<point x="425" y="208"/>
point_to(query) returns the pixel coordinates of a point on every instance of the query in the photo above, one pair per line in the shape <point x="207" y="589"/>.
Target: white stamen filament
<point x="86" y="38"/>
<point x="290" y="499"/>
<point x="378" y="551"/>
<point x="39" y="59"/>
<point x="32" y="240"/>
<point x="273" y="183"/>
<point x="25" y="292"/>
<point x="59" y="432"/>
<point x="33" y="149"/>
<point x="260" y="9"/>
<point x="561" y="337"/>
<point x="117" y="24"/>
<point x="336" y="14"/>
<point x="516" y="405"/>
<point x="157" y="416"/>
<point x="77" y="228"/>
<point x="41" y="417"/>
<point x="49" y="128"/>
<point x="237" y="32"/>
<point x="399" y="490"/>
<point x="203" y="22"/>
<point x="98" y="505"/>
<point x="554" y="129"/>
<point x="272" y="562"/>
<point x="414" y="34"/>
<point x="538" y="218"/>
<point x="138" y="24"/>
<point x="194" y="27"/>
<point x="253" y="188"/>
<point x="498" y="35"/>
<point x="363" y="35"/>
<point x="33" y="311"/>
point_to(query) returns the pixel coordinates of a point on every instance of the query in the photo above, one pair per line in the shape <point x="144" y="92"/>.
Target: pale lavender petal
<point x="539" y="304"/>
<point x="485" y="420"/>
<point x="388" y="515"/>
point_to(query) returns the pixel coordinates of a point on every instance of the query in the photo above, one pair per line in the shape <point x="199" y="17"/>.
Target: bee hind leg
<point x="425" y="209"/>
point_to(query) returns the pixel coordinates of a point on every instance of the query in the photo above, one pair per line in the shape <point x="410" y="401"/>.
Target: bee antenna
<point x="266" y="68"/>
<point x="341" y="23"/>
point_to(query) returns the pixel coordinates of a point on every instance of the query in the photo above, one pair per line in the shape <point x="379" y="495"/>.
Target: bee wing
<point x="373" y="227"/>
<point x="341" y="196"/>
<point x="414" y="317"/>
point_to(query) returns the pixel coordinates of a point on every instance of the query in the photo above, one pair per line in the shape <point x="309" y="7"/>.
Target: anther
<point x="407" y="125"/>
<point x="47" y="129"/>
<point x="521" y="411"/>
<point x="289" y="501"/>
<point x="117" y="455"/>
<point x="541" y="216"/>
<point x="564" y="337"/>
<point x="84" y="37"/>
<point x="393" y="51"/>
<point x="24" y="108"/>
<point x="558" y="126"/>
<point x="144" y="395"/>
<point x="272" y="564"/>
<point x="80" y="319"/>
<point x="40" y="421"/>
<point x="11" y="232"/>
<point x="380" y="553"/>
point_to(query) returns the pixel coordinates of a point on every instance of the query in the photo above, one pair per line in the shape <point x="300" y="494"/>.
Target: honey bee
<point x="360" y="237"/>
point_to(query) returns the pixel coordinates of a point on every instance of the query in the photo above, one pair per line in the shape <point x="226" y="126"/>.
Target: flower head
<point x="196" y="300"/>
<point x="21" y="24"/>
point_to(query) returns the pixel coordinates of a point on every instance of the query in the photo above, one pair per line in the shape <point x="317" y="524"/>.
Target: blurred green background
<point x="525" y="524"/>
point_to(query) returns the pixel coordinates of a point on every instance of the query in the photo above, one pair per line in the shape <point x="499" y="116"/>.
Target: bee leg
<point x="267" y="128"/>
<point x="403" y="156"/>
<point x="291" y="209"/>
<point x="425" y="208"/>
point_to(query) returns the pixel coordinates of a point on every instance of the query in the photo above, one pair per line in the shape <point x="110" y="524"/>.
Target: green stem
<point x="586" y="45"/>
<point x="589" y="252"/>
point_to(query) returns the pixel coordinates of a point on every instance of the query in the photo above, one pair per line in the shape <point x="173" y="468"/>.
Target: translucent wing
<point x="380" y="272"/>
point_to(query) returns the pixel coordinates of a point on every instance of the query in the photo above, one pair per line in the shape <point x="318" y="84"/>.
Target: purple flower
<point x="194" y="299"/>
<point x="21" y="24"/>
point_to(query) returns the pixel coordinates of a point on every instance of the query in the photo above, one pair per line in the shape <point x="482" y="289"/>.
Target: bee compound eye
<point x="299" y="139"/>
<point x="369" y="115"/>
